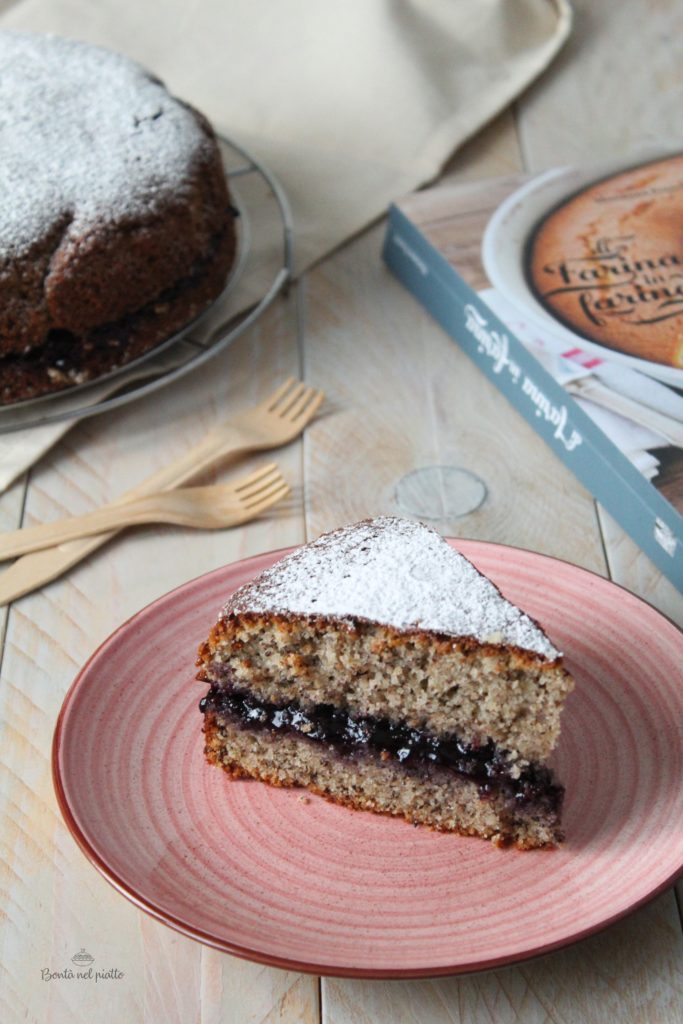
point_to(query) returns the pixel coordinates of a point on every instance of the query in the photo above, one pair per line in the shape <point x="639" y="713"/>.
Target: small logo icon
<point x="82" y="959"/>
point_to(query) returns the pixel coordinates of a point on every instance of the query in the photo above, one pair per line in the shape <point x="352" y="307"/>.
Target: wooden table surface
<point x="401" y="395"/>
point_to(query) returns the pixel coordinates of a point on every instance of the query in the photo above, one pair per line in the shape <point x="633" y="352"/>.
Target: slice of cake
<point x="377" y="667"/>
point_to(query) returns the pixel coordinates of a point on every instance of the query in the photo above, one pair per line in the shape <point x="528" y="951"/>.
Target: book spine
<point x="652" y="522"/>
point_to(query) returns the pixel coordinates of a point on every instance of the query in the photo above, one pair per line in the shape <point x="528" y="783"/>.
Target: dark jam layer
<point x="485" y="763"/>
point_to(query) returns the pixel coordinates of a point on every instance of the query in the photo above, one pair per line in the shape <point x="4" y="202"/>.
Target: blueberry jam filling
<point x="484" y="763"/>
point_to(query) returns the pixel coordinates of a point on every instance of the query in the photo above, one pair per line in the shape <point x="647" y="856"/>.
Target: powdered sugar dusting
<point x="84" y="133"/>
<point x="396" y="572"/>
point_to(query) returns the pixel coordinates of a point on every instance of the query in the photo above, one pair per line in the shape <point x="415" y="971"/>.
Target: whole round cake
<point x="116" y="228"/>
<point x="608" y="263"/>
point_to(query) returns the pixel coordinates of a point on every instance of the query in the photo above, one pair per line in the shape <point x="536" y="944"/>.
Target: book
<point x="433" y="245"/>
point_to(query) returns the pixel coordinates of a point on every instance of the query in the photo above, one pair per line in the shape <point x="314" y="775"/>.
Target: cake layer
<point x="439" y="684"/>
<point x="440" y="799"/>
<point x="485" y="763"/>
<point x="393" y="572"/>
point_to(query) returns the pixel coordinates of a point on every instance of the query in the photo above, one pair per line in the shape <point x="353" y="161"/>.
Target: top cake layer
<point x="85" y="134"/>
<point x="398" y="573"/>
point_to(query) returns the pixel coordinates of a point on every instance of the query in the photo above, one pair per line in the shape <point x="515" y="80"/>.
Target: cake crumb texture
<point x="444" y="802"/>
<point x="441" y="685"/>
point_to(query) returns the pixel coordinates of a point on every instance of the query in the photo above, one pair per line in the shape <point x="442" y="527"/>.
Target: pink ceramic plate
<point x="291" y="880"/>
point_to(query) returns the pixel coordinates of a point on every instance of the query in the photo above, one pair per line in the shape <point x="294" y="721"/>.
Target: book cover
<point x="614" y="416"/>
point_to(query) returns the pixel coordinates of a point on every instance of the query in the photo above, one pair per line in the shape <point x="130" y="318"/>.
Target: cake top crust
<point x="86" y="136"/>
<point x="395" y="572"/>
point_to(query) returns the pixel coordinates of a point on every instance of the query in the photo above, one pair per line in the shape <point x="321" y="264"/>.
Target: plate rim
<point x="288" y="963"/>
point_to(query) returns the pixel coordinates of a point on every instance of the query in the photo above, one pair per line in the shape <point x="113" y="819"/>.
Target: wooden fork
<point x="272" y="423"/>
<point x="206" y="508"/>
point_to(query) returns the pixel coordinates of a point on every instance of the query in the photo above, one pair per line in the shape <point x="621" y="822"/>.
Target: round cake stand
<point x="262" y="269"/>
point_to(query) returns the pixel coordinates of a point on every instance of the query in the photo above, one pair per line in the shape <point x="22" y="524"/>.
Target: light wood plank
<point x="405" y="396"/>
<point x="632" y="569"/>
<point x="252" y="994"/>
<point x="588" y="982"/>
<point x="11" y="511"/>
<point x="56" y="903"/>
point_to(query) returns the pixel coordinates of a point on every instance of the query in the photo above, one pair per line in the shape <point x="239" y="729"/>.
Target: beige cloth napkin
<point x="350" y="104"/>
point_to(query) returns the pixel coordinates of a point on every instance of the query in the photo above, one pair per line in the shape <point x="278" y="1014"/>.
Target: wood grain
<point x="629" y="567"/>
<point x="588" y="982"/>
<point x="11" y="511"/>
<point x="404" y="396"/>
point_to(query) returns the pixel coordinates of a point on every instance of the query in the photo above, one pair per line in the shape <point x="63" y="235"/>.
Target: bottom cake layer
<point x="440" y="799"/>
